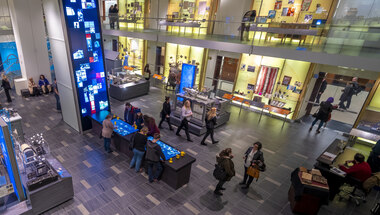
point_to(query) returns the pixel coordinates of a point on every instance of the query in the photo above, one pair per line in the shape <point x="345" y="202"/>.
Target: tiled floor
<point x="104" y="184"/>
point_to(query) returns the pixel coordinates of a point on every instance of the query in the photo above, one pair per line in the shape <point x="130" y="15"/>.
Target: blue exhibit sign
<point x="86" y="50"/>
<point x="7" y="160"/>
<point x="187" y="76"/>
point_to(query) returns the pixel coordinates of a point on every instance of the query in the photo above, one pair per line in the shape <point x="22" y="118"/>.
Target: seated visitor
<point x="33" y="88"/>
<point x="44" y="84"/>
<point x="360" y="170"/>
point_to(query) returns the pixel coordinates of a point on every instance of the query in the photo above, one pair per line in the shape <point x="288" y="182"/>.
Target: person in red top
<point x="360" y="170"/>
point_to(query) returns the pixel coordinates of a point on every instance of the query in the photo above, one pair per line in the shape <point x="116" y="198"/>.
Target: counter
<point x="175" y="174"/>
<point x="129" y="90"/>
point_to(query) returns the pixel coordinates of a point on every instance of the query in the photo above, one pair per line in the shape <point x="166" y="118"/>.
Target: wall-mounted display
<point x="286" y="80"/>
<point x="305" y="5"/>
<point x="85" y="40"/>
<point x="187" y="76"/>
<point x="251" y="69"/>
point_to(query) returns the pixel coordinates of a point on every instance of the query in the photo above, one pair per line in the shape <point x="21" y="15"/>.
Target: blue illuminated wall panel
<point x="187" y="76"/>
<point x="86" y="49"/>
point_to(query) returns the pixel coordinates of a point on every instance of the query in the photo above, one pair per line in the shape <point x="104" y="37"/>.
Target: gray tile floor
<point x="104" y="184"/>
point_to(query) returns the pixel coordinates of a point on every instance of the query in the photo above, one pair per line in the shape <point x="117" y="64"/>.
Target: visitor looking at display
<point x="224" y="160"/>
<point x="33" y="88"/>
<point x="153" y="155"/>
<point x="44" y="84"/>
<point x="186" y="114"/>
<point x="129" y="113"/>
<point x="210" y="124"/>
<point x="360" y="170"/>
<point x="107" y="132"/>
<point x="7" y="86"/>
<point x="150" y="122"/>
<point x="324" y="111"/>
<point x="138" y="147"/>
<point x="139" y="121"/>
<point x="165" y="113"/>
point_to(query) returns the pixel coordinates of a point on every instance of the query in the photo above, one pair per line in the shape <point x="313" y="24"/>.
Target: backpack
<point x="219" y="172"/>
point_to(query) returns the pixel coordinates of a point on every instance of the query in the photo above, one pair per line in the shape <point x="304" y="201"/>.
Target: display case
<point x="200" y="105"/>
<point x="126" y="85"/>
<point x="11" y="116"/>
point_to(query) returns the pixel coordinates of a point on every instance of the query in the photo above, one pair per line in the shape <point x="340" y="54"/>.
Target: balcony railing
<point x="343" y="39"/>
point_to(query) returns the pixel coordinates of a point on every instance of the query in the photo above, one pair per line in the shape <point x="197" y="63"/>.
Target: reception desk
<point x="175" y="174"/>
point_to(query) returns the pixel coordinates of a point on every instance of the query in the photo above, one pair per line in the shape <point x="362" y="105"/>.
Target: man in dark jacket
<point x="321" y="90"/>
<point x="129" y="113"/>
<point x="351" y="89"/>
<point x="165" y="113"/>
<point x="153" y="155"/>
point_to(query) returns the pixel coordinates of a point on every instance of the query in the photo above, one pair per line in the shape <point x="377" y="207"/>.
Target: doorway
<point x="225" y="73"/>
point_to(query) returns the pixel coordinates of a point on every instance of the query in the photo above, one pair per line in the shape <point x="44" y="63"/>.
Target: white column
<point x="29" y="31"/>
<point x="62" y="65"/>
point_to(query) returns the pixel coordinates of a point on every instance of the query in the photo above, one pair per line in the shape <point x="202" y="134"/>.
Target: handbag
<point x="219" y="173"/>
<point x="316" y="113"/>
<point x="254" y="172"/>
<point x="132" y="143"/>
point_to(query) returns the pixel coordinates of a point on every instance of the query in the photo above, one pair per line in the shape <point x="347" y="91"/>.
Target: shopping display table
<point x="175" y="174"/>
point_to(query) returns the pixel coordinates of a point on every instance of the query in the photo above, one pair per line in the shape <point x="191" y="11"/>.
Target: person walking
<point x="111" y="18"/>
<point x="321" y="90"/>
<point x="224" y="160"/>
<point x="138" y="147"/>
<point x="56" y="94"/>
<point x="7" y="86"/>
<point x="210" y="124"/>
<point x="165" y="113"/>
<point x="116" y="16"/>
<point x="252" y="157"/>
<point x="186" y="114"/>
<point x="107" y="132"/>
<point x="351" y="89"/>
<point x="147" y="72"/>
<point x="153" y="155"/>
<point x="325" y="108"/>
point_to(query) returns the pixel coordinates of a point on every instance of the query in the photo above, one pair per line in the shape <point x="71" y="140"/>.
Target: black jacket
<point x="210" y="124"/>
<point x="227" y="164"/>
<point x="6" y="85"/>
<point x="325" y="109"/>
<point x="258" y="156"/>
<point x="139" y="142"/>
<point x="166" y="110"/>
<point x="154" y="152"/>
<point x="323" y="86"/>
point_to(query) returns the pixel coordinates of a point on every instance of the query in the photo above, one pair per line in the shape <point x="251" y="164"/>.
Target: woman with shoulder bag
<point x="210" y="124"/>
<point x="254" y="157"/>
<point x="323" y="113"/>
<point x="224" y="160"/>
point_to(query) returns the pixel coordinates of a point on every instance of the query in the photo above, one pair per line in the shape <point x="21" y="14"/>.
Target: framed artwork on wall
<point x="271" y="14"/>
<point x="291" y="11"/>
<point x="284" y="11"/>
<point x="278" y="5"/>
<point x="251" y="87"/>
<point x="286" y="80"/>
<point x="305" y="5"/>
<point x="251" y="69"/>
<point x="291" y="2"/>
<point x="308" y="18"/>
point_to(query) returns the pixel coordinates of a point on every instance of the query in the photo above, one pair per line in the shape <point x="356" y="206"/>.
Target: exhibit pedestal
<point x="130" y="90"/>
<point x="20" y="84"/>
<point x="175" y="174"/>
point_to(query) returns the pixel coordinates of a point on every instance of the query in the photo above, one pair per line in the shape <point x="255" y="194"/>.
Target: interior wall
<point x="230" y="13"/>
<point x="375" y="102"/>
<point x="62" y="66"/>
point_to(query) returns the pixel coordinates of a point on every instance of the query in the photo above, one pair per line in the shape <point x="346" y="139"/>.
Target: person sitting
<point x="360" y="170"/>
<point x="129" y="113"/>
<point x="139" y="121"/>
<point x="33" y="88"/>
<point x="44" y="84"/>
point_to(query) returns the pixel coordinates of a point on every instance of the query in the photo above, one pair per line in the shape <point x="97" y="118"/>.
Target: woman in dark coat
<point x="224" y="159"/>
<point x="325" y="108"/>
<point x="165" y="113"/>
<point x="253" y="156"/>
<point x="210" y="124"/>
<point x="374" y="158"/>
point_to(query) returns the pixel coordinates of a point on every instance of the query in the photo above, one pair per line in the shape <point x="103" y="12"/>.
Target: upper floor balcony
<point x="345" y="41"/>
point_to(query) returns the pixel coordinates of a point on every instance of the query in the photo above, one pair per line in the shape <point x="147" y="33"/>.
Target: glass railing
<point x="344" y="39"/>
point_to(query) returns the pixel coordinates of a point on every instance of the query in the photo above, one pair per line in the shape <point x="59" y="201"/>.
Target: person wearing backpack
<point x="253" y="157"/>
<point x="138" y="148"/>
<point x="224" y="160"/>
<point x="153" y="155"/>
